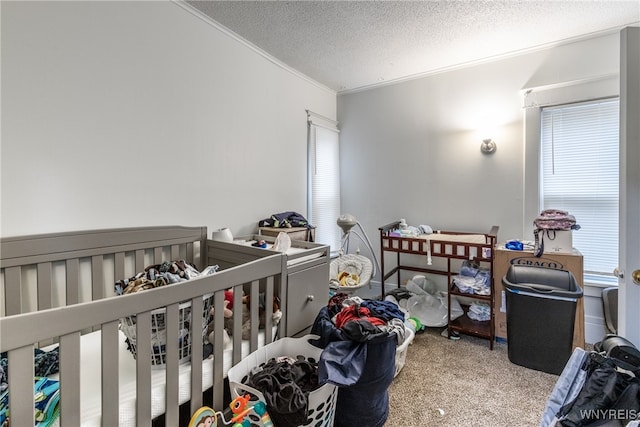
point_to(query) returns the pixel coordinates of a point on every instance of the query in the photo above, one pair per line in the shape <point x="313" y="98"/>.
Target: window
<point x="580" y="174"/>
<point x="324" y="179"/>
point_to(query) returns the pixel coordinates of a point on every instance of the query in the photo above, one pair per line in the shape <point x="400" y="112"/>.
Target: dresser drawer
<point x="307" y="293"/>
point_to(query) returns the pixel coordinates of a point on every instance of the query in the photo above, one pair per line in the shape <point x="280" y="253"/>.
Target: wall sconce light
<point x="488" y="146"/>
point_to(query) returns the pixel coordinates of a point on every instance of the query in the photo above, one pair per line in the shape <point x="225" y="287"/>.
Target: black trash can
<point x="541" y="310"/>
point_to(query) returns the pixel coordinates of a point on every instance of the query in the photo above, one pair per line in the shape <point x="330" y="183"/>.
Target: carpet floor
<point x="462" y="383"/>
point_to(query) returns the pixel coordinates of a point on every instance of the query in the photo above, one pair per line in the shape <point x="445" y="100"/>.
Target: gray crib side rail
<point x="19" y="332"/>
<point x="41" y="252"/>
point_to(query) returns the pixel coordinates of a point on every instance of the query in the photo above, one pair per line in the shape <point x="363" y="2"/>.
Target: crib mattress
<point x="90" y="380"/>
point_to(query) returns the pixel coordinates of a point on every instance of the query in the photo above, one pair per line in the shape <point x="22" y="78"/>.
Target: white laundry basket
<point x="401" y="351"/>
<point x="322" y="401"/>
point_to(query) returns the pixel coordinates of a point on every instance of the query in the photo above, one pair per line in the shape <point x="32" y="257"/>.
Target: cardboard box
<point x="504" y="258"/>
<point x="557" y="241"/>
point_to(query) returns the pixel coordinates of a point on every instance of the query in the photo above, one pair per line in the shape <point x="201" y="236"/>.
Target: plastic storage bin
<point x="321" y="401"/>
<point x="541" y="310"/>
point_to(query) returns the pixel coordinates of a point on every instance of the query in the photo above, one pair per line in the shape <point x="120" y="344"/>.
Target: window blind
<point x="580" y="174"/>
<point x="324" y="179"/>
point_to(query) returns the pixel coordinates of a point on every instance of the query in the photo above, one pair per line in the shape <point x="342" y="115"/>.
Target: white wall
<point x="412" y="150"/>
<point x="422" y="138"/>
<point x="141" y="113"/>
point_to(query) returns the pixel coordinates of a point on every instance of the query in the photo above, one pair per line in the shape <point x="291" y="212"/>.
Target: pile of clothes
<point x="405" y="230"/>
<point x="355" y="319"/>
<point x="285" y="220"/>
<point x="599" y="387"/>
<point x="473" y="280"/>
<point x="286" y="383"/>
<point x="153" y="276"/>
<point x="479" y="311"/>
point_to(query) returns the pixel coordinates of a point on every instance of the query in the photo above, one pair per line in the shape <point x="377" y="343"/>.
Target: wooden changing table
<point x="450" y="245"/>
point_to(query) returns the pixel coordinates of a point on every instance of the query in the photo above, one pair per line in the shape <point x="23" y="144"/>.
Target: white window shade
<point x="580" y="174"/>
<point x="324" y="179"/>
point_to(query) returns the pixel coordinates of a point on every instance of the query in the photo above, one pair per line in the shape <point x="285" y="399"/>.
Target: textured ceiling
<point x="347" y="45"/>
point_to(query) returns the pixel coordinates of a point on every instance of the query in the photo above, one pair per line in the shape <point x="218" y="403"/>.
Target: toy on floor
<point x="415" y="324"/>
<point x="204" y="417"/>
<point x="241" y="407"/>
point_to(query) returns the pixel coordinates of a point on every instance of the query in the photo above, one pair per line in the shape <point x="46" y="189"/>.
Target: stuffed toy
<point x="246" y="319"/>
<point x="228" y="315"/>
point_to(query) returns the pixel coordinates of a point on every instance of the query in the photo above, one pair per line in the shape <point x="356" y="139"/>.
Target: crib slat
<point x="97" y="277"/>
<point x="175" y="252"/>
<point x="44" y="285"/>
<point x="237" y="324"/>
<point x="13" y="290"/>
<point x="204" y="251"/>
<point x="282" y="294"/>
<point x="110" y="378"/>
<point x="140" y="264"/>
<point x="21" y="366"/>
<point x="73" y="281"/>
<point x="218" y="345"/>
<point x="190" y="252"/>
<point x="97" y="280"/>
<point x="118" y="266"/>
<point x="143" y="369"/>
<point x="172" y="411"/>
<point x="157" y="255"/>
<point x="70" y="379"/>
<point x="45" y="291"/>
<point x="267" y="284"/>
<point x="254" y="315"/>
<point x="196" y="353"/>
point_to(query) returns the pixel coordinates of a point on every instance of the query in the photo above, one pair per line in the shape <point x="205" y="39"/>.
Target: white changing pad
<point x="90" y="379"/>
<point x="291" y="251"/>
<point x="460" y="238"/>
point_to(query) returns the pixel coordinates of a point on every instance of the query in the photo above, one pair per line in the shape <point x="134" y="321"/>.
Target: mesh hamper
<point x="321" y="401"/>
<point x="158" y="332"/>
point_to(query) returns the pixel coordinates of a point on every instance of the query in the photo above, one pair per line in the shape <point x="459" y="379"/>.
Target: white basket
<point x="158" y="332"/>
<point x="322" y="401"/>
<point x="401" y="351"/>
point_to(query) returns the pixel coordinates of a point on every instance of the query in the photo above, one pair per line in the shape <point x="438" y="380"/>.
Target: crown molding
<point x="207" y="19"/>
